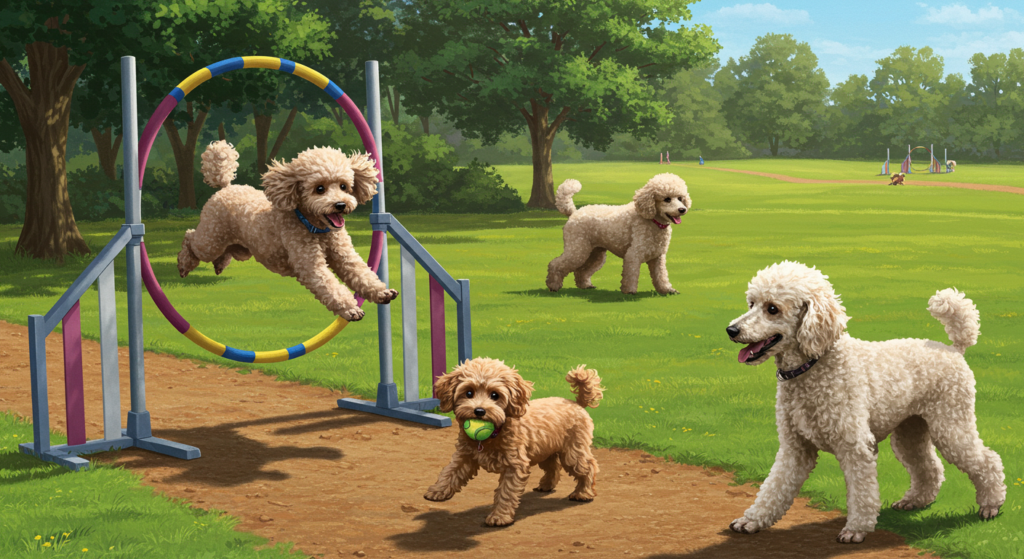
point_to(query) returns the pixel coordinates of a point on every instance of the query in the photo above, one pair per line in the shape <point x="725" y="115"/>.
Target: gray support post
<point x="108" y="354"/>
<point x="387" y="391"/>
<point x="138" y="418"/>
<point x="37" y="372"/>
<point x="465" y="332"/>
<point x="410" y="347"/>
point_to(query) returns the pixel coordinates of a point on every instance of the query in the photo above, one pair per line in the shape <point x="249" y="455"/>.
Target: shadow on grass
<point x="593" y="295"/>
<point x="22" y="467"/>
<point x="444" y="530"/>
<point x="231" y="458"/>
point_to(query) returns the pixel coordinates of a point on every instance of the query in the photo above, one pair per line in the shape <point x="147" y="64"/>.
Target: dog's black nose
<point x="340" y="206"/>
<point x="732" y="331"/>
<point x="682" y="212"/>
<point x="480" y="412"/>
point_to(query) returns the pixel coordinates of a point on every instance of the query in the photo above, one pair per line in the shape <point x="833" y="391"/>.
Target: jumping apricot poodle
<point x="295" y="227"/>
<point x="638" y="232"/>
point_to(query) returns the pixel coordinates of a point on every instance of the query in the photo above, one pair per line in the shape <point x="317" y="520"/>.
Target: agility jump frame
<point x="129" y="239"/>
<point x="934" y="165"/>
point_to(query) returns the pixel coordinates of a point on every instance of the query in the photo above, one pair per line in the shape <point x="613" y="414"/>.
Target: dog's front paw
<point x="909" y="504"/>
<point x="670" y="291"/>
<point x="495" y="519"/>
<point x="352" y="315"/>
<point x="582" y="496"/>
<point x="385" y="296"/>
<point x="438" y="495"/>
<point x="988" y="512"/>
<point x="745" y="526"/>
<point x="849" y="536"/>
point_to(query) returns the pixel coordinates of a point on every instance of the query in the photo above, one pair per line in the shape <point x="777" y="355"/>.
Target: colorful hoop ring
<point x="146" y="144"/>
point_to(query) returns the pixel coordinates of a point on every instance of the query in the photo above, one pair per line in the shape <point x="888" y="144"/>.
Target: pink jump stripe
<point x="74" y="393"/>
<point x="157" y="293"/>
<point x="376" y="247"/>
<point x="364" y="131"/>
<point x="437" y="356"/>
<point x="152" y="129"/>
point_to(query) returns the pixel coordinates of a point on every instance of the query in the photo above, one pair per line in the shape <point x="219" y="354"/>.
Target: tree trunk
<point x="262" y="134"/>
<point x="107" y="154"/>
<point x="773" y="144"/>
<point x="425" y="121"/>
<point x="283" y="134"/>
<point x="185" y="155"/>
<point x="394" y="104"/>
<point x="542" y="137"/>
<point x="220" y="131"/>
<point x="43" y="112"/>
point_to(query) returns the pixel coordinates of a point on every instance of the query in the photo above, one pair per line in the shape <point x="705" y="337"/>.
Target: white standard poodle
<point x="844" y="395"/>
<point x="636" y="232"/>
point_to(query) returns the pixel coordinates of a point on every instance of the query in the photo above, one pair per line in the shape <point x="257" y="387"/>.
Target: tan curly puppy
<point x="843" y="395"/>
<point x="637" y="232"/>
<point x="295" y="227"/>
<point x="551" y="432"/>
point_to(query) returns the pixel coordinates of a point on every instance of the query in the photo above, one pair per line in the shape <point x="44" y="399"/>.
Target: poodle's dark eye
<point x="469" y="393"/>
<point x="344" y="187"/>
<point x="680" y="198"/>
<point x="750" y="304"/>
<point x="668" y="199"/>
<point x="495" y="396"/>
<point x="320" y="189"/>
<point x="772" y="309"/>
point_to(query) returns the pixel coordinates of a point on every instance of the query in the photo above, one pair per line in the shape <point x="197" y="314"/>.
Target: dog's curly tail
<point x="586" y="385"/>
<point x="564" y="194"/>
<point x="959" y="315"/>
<point x="220" y="161"/>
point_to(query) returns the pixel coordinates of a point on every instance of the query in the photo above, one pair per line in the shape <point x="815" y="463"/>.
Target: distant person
<point x="701" y="159"/>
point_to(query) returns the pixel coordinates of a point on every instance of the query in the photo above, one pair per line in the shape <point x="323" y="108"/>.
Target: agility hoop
<point x="149" y="135"/>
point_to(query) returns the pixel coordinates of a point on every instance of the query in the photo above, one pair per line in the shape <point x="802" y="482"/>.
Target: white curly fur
<point x="220" y="162"/>
<point x="627" y="231"/>
<point x="919" y="391"/>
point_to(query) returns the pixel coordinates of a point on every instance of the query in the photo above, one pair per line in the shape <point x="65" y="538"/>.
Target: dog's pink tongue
<point x="751" y="349"/>
<point x="676" y="220"/>
<point x="336" y="220"/>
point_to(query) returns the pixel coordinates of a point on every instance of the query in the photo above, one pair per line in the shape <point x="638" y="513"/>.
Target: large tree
<point x="45" y="48"/>
<point x="493" y="66"/>
<point x="775" y="93"/>
<point x="698" y="121"/>
<point x="996" y="112"/>
<point x="914" y="102"/>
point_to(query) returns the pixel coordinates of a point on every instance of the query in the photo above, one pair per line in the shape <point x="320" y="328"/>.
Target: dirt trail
<point x="282" y="458"/>
<point x="787" y="178"/>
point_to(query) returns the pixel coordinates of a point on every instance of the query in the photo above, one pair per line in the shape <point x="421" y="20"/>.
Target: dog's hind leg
<point x="583" y="274"/>
<point x="579" y="461"/>
<point x="575" y="255"/>
<point x="233" y="252"/>
<point x="913" y="446"/>
<point x="954" y="431"/>
<point x="551" y="474"/>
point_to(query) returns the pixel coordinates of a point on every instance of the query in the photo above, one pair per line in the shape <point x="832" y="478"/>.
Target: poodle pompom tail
<point x="586" y="385"/>
<point x="959" y="315"/>
<point x="563" y="197"/>
<point x="220" y="161"/>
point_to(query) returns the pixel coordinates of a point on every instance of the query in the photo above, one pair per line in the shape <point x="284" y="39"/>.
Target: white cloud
<point x="764" y="13"/>
<point x="959" y="15"/>
<point x="956" y="50"/>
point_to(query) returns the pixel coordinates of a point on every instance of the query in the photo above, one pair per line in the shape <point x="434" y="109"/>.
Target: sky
<point x="849" y="36"/>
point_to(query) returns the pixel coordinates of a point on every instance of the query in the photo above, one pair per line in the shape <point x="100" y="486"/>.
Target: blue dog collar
<point x="312" y="228"/>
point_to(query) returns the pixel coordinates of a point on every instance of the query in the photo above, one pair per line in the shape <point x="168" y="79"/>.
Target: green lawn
<point x="1008" y="175"/>
<point x="673" y="384"/>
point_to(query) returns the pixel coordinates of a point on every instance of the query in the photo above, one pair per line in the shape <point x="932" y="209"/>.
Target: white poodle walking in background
<point x="843" y="395"/>
<point x="637" y="232"/>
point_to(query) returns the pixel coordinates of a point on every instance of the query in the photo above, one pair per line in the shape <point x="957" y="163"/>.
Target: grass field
<point x="673" y="384"/>
<point x="1007" y="175"/>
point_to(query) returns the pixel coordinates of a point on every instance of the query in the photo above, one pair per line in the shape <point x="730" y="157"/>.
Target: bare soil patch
<point x="787" y="178"/>
<point x="282" y="458"/>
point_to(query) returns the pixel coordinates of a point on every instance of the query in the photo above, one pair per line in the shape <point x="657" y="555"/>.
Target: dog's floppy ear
<point x="445" y="386"/>
<point x="281" y="185"/>
<point x="365" y="175"/>
<point x="519" y="393"/>
<point x="646" y="204"/>
<point x="823" y="322"/>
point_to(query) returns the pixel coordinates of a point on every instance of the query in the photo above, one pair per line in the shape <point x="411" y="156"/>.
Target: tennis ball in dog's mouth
<point x="478" y="429"/>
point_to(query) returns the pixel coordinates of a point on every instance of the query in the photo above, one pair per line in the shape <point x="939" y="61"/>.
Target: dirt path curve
<point x="282" y="458"/>
<point x="787" y="178"/>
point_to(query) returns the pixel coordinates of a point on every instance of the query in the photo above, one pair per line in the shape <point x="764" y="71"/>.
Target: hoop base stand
<point x="387" y="404"/>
